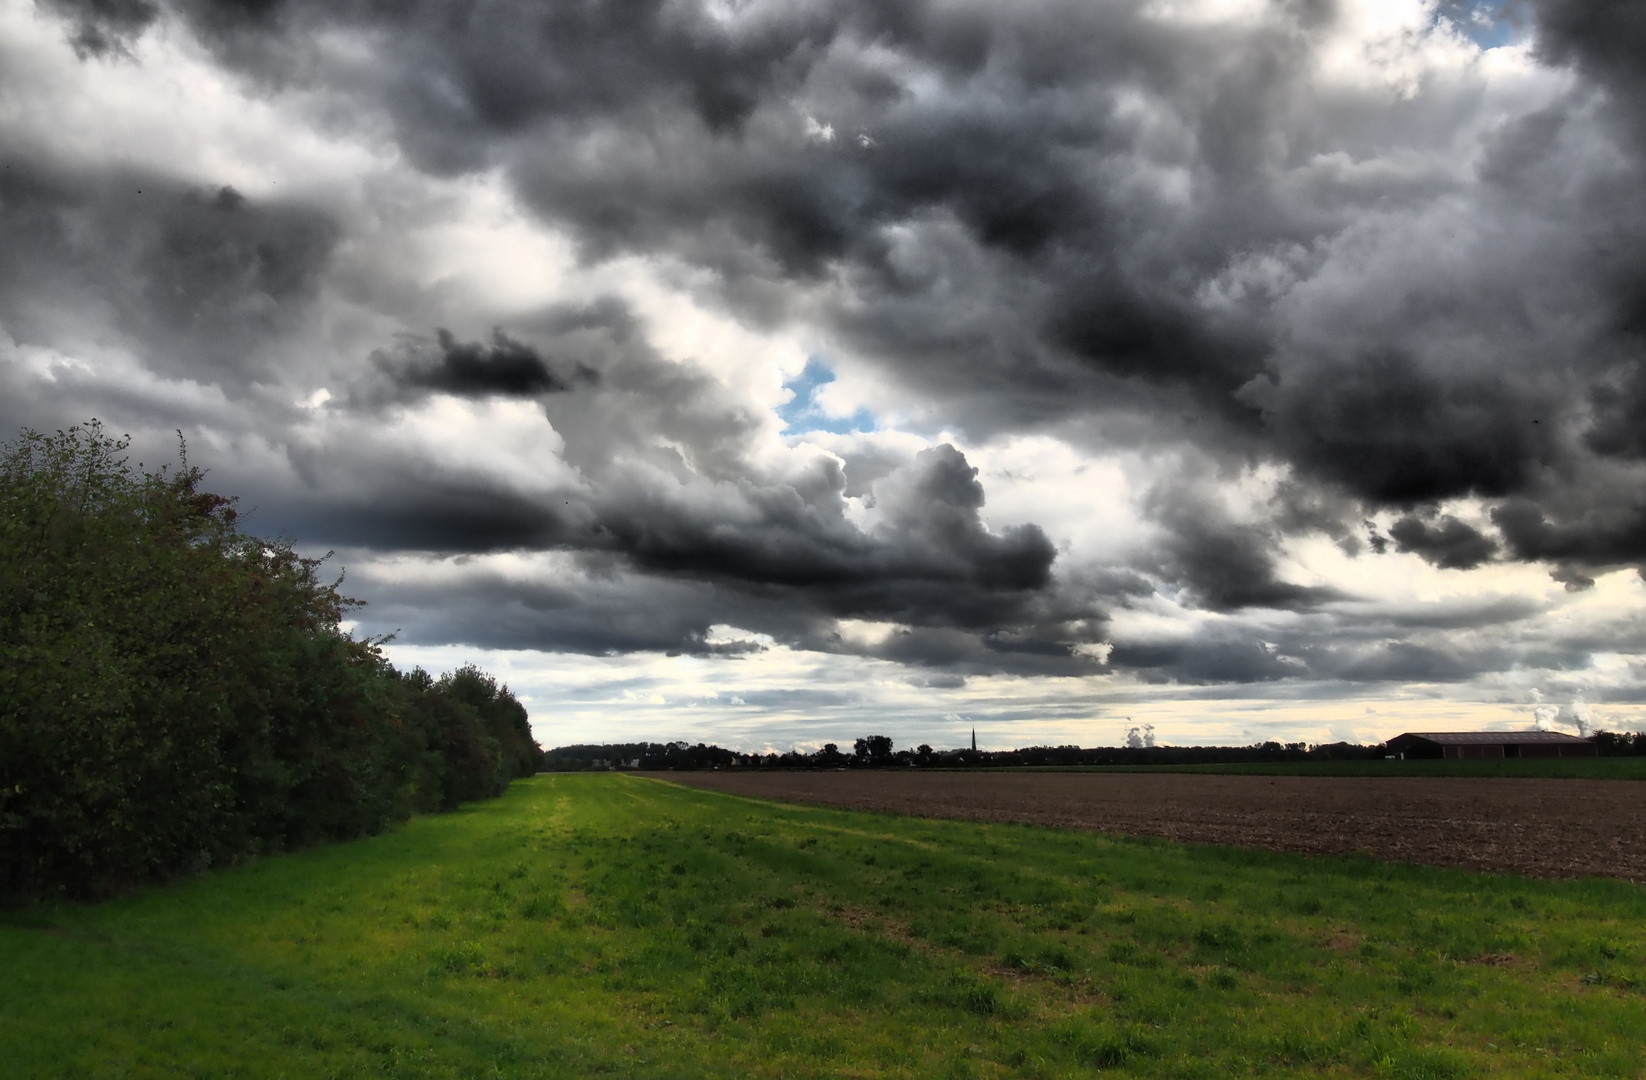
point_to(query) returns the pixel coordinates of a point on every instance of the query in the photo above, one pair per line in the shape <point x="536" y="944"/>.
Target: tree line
<point x="176" y="693"/>
<point x="877" y="752"/>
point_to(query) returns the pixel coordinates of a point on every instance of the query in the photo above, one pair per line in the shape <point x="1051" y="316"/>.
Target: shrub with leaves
<point x="175" y="692"/>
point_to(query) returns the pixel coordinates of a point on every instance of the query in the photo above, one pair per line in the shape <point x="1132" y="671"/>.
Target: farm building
<point x="1489" y="744"/>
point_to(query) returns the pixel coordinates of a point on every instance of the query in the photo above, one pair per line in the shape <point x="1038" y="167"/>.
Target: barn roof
<point x="1490" y="738"/>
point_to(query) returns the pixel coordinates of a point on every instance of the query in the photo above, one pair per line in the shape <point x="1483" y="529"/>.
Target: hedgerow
<point x="177" y="693"/>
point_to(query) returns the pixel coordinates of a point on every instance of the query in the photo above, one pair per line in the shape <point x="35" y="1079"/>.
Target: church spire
<point x="974" y="740"/>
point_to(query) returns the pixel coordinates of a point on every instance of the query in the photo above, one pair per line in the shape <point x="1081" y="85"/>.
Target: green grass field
<point x="615" y="926"/>
<point x="1612" y="768"/>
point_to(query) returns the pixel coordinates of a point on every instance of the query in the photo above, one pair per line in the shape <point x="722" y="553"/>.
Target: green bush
<point x="474" y="734"/>
<point x="176" y="693"/>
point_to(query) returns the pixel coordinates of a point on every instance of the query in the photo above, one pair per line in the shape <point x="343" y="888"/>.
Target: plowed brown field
<point x="1543" y="828"/>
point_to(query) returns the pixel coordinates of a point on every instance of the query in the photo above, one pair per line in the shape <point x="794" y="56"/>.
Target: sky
<point x="775" y="372"/>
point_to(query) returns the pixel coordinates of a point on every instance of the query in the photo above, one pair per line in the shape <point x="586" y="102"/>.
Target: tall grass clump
<point x="176" y="692"/>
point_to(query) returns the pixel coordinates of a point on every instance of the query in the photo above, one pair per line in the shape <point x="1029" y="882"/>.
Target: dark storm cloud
<point x="506" y="368"/>
<point x="1605" y="38"/>
<point x="1207" y="658"/>
<point x="1617" y="406"/>
<point x="660" y="487"/>
<point x="196" y="280"/>
<point x="418" y="506"/>
<point x="1224" y="565"/>
<point x="996" y="220"/>
<point x="930" y="551"/>
<point x="1608" y="535"/>
<point x="1382" y="425"/>
<point x="1065" y="217"/>
<point x="596" y="615"/>
<point x="1447" y="543"/>
<point x="104" y="28"/>
<point x="1375" y="647"/>
<point x="596" y="610"/>
<point x="778" y="559"/>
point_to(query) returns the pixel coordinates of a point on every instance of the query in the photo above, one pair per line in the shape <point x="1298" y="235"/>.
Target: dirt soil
<point x="1542" y="828"/>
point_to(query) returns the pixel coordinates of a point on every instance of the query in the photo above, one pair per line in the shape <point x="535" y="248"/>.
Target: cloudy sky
<point x="778" y="371"/>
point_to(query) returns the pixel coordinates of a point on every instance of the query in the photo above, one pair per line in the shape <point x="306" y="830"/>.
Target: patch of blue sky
<point x="1487" y="23"/>
<point x="802" y="413"/>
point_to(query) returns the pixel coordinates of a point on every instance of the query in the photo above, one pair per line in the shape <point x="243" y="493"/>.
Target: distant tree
<point x="1620" y="744"/>
<point x="501" y="716"/>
